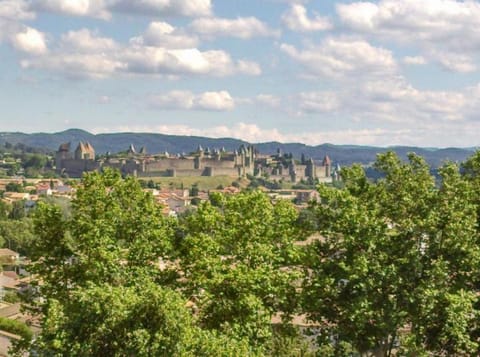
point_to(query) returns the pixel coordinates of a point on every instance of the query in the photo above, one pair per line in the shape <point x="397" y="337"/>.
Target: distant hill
<point x="156" y="143"/>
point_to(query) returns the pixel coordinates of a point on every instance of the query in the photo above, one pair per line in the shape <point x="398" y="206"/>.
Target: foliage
<point x="396" y="270"/>
<point x="399" y="261"/>
<point x="5" y="209"/>
<point x="101" y="284"/>
<point x="142" y="320"/>
<point x="235" y="256"/>
<point x="17" y="210"/>
<point x="11" y="297"/>
<point x="14" y="187"/>
<point x="17" y="234"/>
<point x="17" y="328"/>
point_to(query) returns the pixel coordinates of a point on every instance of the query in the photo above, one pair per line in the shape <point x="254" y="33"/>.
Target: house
<point x="44" y="189"/>
<point x="15" y="196"/>
<point x="305" y="196"/>
<point x="6" y="339"/>
<point x="7" y="283"/>
<point x="8" y="255"/>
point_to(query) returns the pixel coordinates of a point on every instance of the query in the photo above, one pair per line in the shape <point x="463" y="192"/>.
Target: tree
<point x="35" y="161"/>
<point x="17" y="210"/>
<point x="103" y="292"/>
<point x="115" y="232"/>
<point x="14" y="187"/>
<point x="236" y="257"/>
<point x="5" y="209"/>
<point x="399" y="261"/>
<point x="143" y="320"/>
<point x="17" y="234"/>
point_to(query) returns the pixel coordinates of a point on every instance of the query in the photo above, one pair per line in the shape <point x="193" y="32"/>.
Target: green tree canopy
<point x="399" y="263"/>
<point x="237" y="260"/>
<point x="100" y="278"/>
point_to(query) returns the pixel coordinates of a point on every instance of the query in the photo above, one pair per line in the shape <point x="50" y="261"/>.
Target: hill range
<point x="159" y="143"/>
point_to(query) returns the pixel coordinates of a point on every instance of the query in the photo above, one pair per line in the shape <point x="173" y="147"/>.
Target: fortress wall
<point x="320" y="171"/>
<point x="130" y="167"/>
<point x="75" y="168"/>
<point x="280" y="177"/>
<point x="227" y="164"/>
<point x="164" y="164"/>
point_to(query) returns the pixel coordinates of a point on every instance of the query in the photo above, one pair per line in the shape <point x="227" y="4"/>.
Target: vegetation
<point x="395" y="271"/>
<point x="232" y="256"/>
<point x="26" y="160"/>
<point x="203" y="183"/>
<point x="400" y="262"/>
<point x="17" y="328"/>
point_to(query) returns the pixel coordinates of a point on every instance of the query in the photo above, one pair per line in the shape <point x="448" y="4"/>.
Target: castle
<point x="218" y="162"/>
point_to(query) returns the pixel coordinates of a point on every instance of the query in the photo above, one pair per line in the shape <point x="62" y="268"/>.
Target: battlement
<point x="202" y="162"/>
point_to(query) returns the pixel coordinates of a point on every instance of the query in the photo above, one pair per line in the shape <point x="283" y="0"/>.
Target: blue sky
<point x="377" y="73"/>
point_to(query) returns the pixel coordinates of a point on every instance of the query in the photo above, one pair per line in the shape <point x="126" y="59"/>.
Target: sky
<point x="388" y="72"/>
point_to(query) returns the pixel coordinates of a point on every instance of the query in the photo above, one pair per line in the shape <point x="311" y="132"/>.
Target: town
<point x="280" y="174"/>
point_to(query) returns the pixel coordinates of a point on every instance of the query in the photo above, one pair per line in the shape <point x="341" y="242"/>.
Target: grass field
<point x="203" y="182"/>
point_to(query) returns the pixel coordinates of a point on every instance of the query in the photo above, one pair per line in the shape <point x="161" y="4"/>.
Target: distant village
<point x="217" y="162"/>
<point x="246" y="162"/>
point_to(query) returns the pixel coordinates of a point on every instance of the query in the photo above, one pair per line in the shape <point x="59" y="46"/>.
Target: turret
<point x="328" y="166"/>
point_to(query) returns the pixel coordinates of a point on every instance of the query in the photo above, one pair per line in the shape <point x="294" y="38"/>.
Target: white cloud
<point x="186" y="100"/>
<point x="15" y="10"/>
<point x="77" y="65"/>
<point x="241" y="27"/>
<point x="398" y="101"/>
<point x="180" y="61"/>
<point x="86" y="54"/>
<point x="248" y="67"/>
<point x="447" y="26"/>
<point x="315" y="102"/>
<point x="269" y="100"/>
<point x="173" y="100"/>
<point x="192" y="8"/>
<point x="218" y="101"/>
<point x="414" y="60"/>
<point x="455" y="62"/>
<point x="91" y="8"/>
<point x="30" y="41"/>
<point x="296" y="19"/>
<point x="11" y="13"/>
<point x="103" y="9"/>
<point x="337" y="58"/>
<point x="162" y="34"/>
<point x="84" y="40"/>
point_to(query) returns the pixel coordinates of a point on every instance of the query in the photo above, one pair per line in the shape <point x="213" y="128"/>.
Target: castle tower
<point x="200" y="151"/>
<point x="327" y="163"/>
<point x="292" y="170"/>
<point x="217" y="155"/>
<point x="84" y="151"/>
<point x="131" y="150"/>
<point x="310" y="169"/>
<point x="63" y="153"/>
